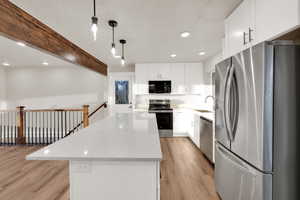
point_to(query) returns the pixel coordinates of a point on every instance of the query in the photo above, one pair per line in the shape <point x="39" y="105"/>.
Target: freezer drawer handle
<point x="231" y="158"/>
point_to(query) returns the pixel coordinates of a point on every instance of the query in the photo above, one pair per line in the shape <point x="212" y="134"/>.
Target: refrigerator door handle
<point x="225" y="103"/>
<point x="236" y="106"/>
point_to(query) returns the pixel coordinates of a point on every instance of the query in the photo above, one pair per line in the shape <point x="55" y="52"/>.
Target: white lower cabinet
<point x="194" y="129"/>
<point x="197" y="130"/>
<point x="119" y="179"/>
<point x="187" y="123"/>
<point x="180" y="123"/>
<point x="191" y="128"/>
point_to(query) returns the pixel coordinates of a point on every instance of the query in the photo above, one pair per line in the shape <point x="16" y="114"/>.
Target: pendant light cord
<point x="94" y="8"/>
<point x="123" y="51"/>
<point x="113" y="36"/>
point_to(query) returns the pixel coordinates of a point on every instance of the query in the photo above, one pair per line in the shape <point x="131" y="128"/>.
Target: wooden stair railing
<point x="88" y="117"/>
<point x="8" y="126"/>
<point x="43" y="126"/>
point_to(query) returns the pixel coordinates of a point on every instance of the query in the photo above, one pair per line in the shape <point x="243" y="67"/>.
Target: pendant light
<point x="113" y="24"/>
<point x="123" y="42"/>
<point x="94" y="27"/>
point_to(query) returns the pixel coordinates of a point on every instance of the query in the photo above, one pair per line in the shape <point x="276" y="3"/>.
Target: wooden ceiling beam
<point x="18" y="25"/>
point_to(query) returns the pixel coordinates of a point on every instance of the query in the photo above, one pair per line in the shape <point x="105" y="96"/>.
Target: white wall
<point x="52" y="87"/>
<point x="2" y="88"/>
<point x="209" y="66"/>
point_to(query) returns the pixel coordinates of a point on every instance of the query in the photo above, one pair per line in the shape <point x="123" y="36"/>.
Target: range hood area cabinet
<point x="186" y="77"/>
<point x="255" y="21"/>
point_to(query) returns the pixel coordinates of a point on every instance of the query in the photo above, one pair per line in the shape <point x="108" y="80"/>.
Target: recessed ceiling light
<point x="173" y="55"/>
<point x="238" y="33"/>
<point x="202" y="53"/>
<point x="45" y="63"/>
<point x="5" y="64"/>
<point x="185" y="34"/>
<point x="21" y="44"/>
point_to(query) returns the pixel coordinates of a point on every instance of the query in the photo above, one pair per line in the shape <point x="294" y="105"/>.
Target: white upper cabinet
<point x="276" y="17"/>
<point x="240" y="28"/>
<point x="177" y="77"/>
<point x="194" y="78"/>
<point x="255" y="21"/>
<point x="186" y="77"/>
<point x="159" y="71"/>
<point x="141" y="78"/>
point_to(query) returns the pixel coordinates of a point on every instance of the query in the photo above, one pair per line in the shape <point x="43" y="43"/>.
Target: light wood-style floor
<point x="186" y="174"/>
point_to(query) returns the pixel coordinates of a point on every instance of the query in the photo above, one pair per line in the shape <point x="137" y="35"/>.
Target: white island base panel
<point x="115" y="180"/>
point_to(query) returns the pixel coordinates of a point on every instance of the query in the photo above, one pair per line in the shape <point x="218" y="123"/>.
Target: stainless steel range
<point x="164" y="116"/>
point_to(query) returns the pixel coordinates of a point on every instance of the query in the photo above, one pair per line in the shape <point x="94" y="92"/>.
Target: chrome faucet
<point x="209" y="96"/>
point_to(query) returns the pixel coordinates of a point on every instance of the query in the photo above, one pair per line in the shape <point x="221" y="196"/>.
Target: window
<point x="121" y="92"/>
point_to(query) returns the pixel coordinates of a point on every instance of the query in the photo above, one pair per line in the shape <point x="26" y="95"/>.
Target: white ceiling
<point x="18" y="56"/>
<point x="151" y="27"/>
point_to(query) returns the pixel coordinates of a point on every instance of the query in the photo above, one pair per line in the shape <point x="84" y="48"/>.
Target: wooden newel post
<point x="21" y="139"/>
<point x="85" y="116"/>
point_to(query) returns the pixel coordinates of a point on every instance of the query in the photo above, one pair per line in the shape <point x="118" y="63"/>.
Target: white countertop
<point x="209" y="116"/>
<point x="119" y="136"/>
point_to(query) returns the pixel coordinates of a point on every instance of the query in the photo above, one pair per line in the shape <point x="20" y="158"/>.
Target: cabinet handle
<point x="250" y="34"/>
<point x="244" y="36"/>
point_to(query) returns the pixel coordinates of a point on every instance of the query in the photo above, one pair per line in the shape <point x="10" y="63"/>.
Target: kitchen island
<point x="116" y="158"/>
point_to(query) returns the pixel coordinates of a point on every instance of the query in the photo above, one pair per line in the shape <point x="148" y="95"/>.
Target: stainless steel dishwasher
<point x="206" y="138"/>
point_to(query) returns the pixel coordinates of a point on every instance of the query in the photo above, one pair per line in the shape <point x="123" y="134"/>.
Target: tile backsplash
<point x="193" y="101"/>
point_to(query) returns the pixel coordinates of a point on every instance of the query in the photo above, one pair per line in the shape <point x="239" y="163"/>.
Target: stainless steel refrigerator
<point x="258" y="124"/>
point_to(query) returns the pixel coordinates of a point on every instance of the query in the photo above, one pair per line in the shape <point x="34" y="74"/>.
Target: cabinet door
<point x="191" y="126"/>
<point x="197" y="130"/>
<point x="153" y="72"/>
<point x="141" y="78"/>
<point x="194" y="77"/>
<point x="275" y="17"/>
<point x="159" y="71"/>
<point x="164" y="71"/>
<point x="178" y="78"/>
<point x="238" y="24"/>
<point x="180" y="123"/>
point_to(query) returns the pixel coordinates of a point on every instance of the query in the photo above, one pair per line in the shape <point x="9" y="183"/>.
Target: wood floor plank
<point x="185" y="174"/>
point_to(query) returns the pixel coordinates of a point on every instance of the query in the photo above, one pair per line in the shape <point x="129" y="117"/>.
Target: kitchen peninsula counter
<point x="117" y="157"/>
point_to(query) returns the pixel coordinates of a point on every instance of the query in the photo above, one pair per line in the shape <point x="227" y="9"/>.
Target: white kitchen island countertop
<point x="119" y="136"/>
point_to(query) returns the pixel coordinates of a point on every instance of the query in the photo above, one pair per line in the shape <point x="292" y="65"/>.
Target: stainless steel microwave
<point x="160" y="87"/>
